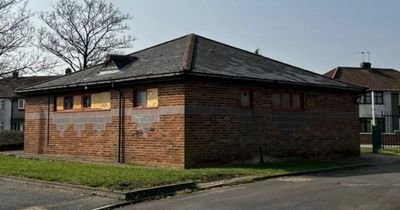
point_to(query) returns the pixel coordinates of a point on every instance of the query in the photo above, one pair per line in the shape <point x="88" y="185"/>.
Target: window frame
<point x="135" y="99"/>
<point x="251" y="98"/>
<point x="72" y="103"/>
<point x="380" y="97"/>
<point x="90" y="102"/>
<point x="290" y="108"/>
<point x="2" y="104"/>
<point x="18" y="104"/>
<point x="145" y="105"/>
<point x="377" y="95"/>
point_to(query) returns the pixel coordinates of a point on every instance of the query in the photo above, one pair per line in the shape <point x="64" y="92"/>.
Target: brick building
<point x="189" y="102"/>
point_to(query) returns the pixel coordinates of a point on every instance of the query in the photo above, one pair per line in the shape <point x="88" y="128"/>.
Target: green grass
<point x="384" y="151"/>
<point x="130" y="176"/>
<point x="366" y="149"/>
<point x="390" y="151"/>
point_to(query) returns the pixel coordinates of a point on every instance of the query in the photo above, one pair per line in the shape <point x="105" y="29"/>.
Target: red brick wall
<point x="154" y="140"/>
<point x="197" y="123"/>
<point x="219" y="131"/>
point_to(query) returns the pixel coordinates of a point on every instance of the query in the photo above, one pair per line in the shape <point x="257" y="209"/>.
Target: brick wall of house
<point x="219" y="131"/>
<point x="151" y="136"/>
<point x="197" y="123"/>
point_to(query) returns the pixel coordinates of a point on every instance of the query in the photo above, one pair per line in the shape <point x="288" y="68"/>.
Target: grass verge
<point x="129" y="176"/>
<point x="384" y="151"/>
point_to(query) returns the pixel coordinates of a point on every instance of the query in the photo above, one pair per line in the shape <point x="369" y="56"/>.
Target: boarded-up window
<point x="296" y="104"/>
<point x="311" y="100"/>
<point x="77" y="102"/>
<point x="287" y="101"/>
<point x="246" y="99"/>
<point x="60" y="103"/>
<point x="101" y="100"/>
<point x="152" y="97"/>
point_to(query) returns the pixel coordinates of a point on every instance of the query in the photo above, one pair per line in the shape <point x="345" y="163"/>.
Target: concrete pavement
<point x="18" y="195"/>
<point x="376" y="187"/>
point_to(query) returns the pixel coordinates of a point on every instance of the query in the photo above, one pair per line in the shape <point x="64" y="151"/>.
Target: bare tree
<point x="16" y="32"/>
<point x="82" y="34"/>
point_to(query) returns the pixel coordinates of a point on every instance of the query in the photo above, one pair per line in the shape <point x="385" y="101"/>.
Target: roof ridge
<point x="335" y="72"/>
<point x="188" y="52"/>
<point x="162" y="43"/>
<point x="359" y="68"/>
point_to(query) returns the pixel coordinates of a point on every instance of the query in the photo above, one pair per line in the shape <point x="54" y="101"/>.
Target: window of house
<point x="311" y="100"/>
<point x="17" y="126"/>
<point x="146" y="98"/>
<point x="366" y="98"/>
<point x="68" y="102"/>
<point x="21" y="103"/>
<point x="2" y="104"/>
<point x="246" y="98"/>
<point x="378" y="97"/>
<point x="366" y="124"/>
<point x="86" y="103"/>
<point x="287" y="101"/>
<point x="141" y="98"/>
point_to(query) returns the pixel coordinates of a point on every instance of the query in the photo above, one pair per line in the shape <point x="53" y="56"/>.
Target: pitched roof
<point x="374" y="78"/>
<point x="8" y="85"/>
<point x="192" y="55"/>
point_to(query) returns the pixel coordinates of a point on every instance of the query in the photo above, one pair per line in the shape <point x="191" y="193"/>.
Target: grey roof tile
<point x="8" y="85"/>
<point x="192" y="54"/>
<point x="378" y="79"/>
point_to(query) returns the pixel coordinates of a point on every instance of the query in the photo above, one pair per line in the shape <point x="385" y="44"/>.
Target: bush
<point x="11" y="138"/>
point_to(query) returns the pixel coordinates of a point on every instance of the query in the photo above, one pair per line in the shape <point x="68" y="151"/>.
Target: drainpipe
<point x="48" y="120"/>
<point x="120" y="128"/>
<point x="373" y="107"/>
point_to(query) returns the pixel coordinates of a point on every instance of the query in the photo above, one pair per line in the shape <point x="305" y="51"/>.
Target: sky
<point x="312" y="34"/>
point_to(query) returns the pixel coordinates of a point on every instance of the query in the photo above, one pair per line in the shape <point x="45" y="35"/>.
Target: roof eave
<point x="104" y="82"/>
<point x="354" y="88"/>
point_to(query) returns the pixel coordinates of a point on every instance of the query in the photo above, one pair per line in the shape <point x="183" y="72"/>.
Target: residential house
<point x="12" y="109"/>
<point x="386" y="86"/>
<point x="12" y="105"/>
<point x="189" y="102"/>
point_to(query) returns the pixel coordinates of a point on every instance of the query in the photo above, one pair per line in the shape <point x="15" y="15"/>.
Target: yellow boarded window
<point x="77" y="102"/>
<point x="60" y="104"/>
<point x="101" y="100"/>
<point x="152" y="97"/>
<point x="311" y="100"/>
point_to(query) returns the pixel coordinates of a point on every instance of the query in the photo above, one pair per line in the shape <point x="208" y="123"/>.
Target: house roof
<point x="190" y="55"/>
<point x="374" y="79"/>
<point x="10" y="84"/>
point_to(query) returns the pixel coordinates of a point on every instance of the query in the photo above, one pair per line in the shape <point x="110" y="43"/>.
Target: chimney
<point x="68" y="71"/>
<point x="15" y="74"/>
<point x="365" y="65"/>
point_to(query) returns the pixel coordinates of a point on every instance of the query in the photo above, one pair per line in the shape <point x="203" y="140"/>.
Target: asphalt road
<point x="18" y="195"/>
<point x="376" y="187"/>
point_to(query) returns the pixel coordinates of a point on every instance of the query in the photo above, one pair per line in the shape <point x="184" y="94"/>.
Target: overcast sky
<point x="312" y="34"/>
